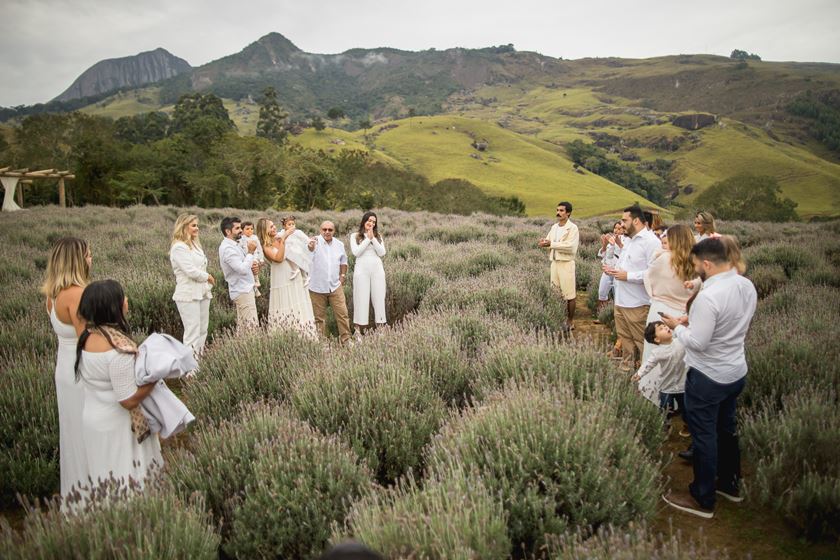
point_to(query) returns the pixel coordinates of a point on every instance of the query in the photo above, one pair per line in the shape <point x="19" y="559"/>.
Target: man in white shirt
<point x="326" y="282"/>
<point x="239" y="268"/>
<point x="562" y="243"/>
<point x="632" y="302"/>
<point x="713" y="335"/>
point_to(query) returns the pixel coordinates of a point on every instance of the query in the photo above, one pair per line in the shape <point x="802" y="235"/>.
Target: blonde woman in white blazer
<point x="193" y="284"/>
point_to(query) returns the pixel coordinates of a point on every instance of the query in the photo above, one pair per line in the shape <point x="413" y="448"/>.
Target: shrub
<point x="796" y="453"/>
<point x="583" y="369"/>
<point x="152" y="524"/>
<point x="453" y="235"/>
<point x="633" y="543"/>
<point x="247" y="368"/>
<point x="792" y="344"/>
<point x="767" y="278"/>
<point x="789" y="257"/>
<point x="376" y="403"/>
<point x="406" y="289"/>
<point x="301" y="484"/>
<point x="556" y="462"/>
<point x="28" y="429"/>
<point x="456" y="517"/>
<point x="219" y="463"/>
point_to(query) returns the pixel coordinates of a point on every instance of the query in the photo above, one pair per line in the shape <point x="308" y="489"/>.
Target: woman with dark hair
<point x="68" y="272"/>
<point x="368" y="273"/>
<point x="115" y="432"/>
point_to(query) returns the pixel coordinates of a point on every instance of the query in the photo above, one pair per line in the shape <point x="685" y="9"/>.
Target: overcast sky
<point x="46" y="44"/>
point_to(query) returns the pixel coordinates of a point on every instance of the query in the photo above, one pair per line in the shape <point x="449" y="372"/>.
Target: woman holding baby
<point x="289" y="304"/>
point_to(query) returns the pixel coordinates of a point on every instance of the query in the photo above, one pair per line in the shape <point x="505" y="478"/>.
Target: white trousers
<point x="368" y="286"/>
<point x="195" y="316"/>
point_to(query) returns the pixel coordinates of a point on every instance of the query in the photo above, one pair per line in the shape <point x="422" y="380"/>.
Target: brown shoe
<point x="684" y="501"/>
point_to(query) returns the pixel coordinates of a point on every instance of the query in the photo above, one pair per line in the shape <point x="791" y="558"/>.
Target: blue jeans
<point x="667" y="401"/>
<point x="710" y="408"/>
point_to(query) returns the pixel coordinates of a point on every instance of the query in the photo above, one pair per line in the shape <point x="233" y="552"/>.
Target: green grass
<point x="125" y="104"/>
<point x="439" y="148"/>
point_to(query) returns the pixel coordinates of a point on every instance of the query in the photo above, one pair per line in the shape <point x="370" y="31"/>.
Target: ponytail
<point x="79" y="347"/>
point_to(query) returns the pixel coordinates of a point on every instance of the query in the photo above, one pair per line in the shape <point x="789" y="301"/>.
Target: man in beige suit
<point x="562" y="244"/>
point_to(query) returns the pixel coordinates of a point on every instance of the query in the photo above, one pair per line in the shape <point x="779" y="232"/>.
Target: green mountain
<point x="685" y="121"/>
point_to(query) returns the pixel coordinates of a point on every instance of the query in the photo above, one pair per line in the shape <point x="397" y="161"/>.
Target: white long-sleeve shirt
<point x="635" y="258"/>
<point x="717" y="326"/>
<point x="367" y="248"/>
<point x="236" y="266"/>
<point x="671" y="361"/>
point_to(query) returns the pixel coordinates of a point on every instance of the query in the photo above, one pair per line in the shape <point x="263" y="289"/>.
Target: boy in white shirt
<point x="248" y="235"/>
<point x="669" y="354"/>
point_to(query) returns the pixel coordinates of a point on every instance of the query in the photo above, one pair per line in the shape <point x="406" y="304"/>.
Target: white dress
<point x="109" y="442"/>
<point x="71" y="398"/>
<point x="289" y="304"/>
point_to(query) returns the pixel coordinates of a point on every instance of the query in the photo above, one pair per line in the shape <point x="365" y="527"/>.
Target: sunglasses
<point x="327" y="229"/>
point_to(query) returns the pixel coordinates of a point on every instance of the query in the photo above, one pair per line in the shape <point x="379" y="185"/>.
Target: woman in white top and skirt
<point x="68" y="272"/>
<point x="117" y="444"/>
<point x="193" y="284"/>
<point x="665" y="282"/>
<point x="289" y="304"/>
<point x="368" y="273"/>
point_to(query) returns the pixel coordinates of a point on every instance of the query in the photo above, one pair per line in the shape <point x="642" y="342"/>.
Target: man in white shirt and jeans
<point x="239" y="268"/>
<point x="326" y="281"/>
<point x="632" y="302"/>
<point x="713" y="335"/>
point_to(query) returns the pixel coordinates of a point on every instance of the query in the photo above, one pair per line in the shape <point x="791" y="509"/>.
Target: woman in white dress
<point x="68" y="272"/>
<point x="368" y="273"/>
<point x="289" y="304"/>
<point x="193" y="284"/>
<point x="112" y="422"/>
<point x="666" y="281"/>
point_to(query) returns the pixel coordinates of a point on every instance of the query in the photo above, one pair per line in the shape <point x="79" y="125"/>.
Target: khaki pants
<point x="339" y="306"/>
<point x="246" y="312"/>
<point x="630" y="327"/>
<point x="563" y="277"/>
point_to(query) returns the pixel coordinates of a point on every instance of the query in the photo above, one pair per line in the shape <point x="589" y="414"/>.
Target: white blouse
<point x="368" y="248"/>
<point x="190" y="268"/>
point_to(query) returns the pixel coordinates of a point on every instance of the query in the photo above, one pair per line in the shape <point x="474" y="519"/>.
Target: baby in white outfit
<point x="298" y="254"/>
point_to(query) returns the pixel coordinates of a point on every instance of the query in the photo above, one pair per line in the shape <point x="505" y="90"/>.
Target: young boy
<point x="248" y="235"/>
<point x="669" y="354"/>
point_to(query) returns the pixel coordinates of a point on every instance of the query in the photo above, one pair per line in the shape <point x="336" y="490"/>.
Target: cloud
<point x="46" y="44"/>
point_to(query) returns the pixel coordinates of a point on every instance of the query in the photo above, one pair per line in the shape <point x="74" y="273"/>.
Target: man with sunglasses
<point x="326" y="283"/>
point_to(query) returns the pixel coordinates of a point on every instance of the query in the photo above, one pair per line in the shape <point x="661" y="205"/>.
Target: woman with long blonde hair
<point x="68" y="272"/>
<point x="704" y="225"/>
<point x="289" y="304"/>
<point x="193" y="284"/>
<point x="665" y="282"/>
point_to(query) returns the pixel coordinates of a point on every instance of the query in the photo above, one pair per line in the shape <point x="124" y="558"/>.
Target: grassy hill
<point x="440" y="147"/>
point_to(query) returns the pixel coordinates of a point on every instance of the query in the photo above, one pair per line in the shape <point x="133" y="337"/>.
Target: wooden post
<point x="20" y="194"/>
<point x="61" y="200"/>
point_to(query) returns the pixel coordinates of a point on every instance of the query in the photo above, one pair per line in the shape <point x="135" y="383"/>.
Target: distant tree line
<point x="196" y="157"/>
<point x="823" y="112"/>
<point x="594" y="159"/>
<point x="753" y="198"/>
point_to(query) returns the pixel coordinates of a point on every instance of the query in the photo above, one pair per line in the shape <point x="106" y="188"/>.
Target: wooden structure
<point x="11" y="177"/>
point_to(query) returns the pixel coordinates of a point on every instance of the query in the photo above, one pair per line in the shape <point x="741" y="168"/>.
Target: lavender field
<point x="471" y="427"/>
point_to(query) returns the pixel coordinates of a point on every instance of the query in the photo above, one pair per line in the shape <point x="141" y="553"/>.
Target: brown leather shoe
<point x="684" y="501"/>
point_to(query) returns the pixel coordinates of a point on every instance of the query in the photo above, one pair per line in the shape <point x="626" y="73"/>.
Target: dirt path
<point x="744" y="530"/>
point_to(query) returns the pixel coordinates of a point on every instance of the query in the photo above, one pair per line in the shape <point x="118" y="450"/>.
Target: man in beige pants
<point x="562" y="243"/>
<point x="326" y="281"/>
<point x="239" y="268"/>
<point x="632" y="302"/>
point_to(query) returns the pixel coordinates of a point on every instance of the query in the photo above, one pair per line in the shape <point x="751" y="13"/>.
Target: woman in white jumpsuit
<point x="368" y="273"/>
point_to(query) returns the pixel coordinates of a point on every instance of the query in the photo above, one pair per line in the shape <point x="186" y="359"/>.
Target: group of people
<point x="102" y="390"/>
<point x="307" y="275"/>
<point x="682" y="309"/>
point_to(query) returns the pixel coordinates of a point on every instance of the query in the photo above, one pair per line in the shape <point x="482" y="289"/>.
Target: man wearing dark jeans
<point x="713" y="335"/>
